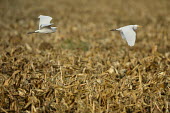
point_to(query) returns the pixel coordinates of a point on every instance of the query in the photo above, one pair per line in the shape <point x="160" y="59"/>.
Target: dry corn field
<point x="83" y="67"/>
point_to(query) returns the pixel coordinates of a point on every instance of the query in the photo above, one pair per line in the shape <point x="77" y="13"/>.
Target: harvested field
<point x="83" y="67"/>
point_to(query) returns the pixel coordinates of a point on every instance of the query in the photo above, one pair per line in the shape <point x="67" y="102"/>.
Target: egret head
<point x="135" y="27"/>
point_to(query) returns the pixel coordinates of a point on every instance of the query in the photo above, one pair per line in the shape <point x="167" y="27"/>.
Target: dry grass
<point x="83" y="67"/>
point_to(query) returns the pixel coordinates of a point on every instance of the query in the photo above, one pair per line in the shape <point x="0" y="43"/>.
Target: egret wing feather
<point x="121" y="33"/>
<point x="44" y="20"/>
<point x="130" y="36"/>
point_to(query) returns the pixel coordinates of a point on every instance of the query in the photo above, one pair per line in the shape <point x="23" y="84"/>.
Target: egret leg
<point x="31" y="32"/>
<point x="113" y="30"/>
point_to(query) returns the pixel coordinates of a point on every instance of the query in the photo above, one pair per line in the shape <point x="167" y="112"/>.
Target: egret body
<point x="128" y="33"/>
<point x="45" y="25"/>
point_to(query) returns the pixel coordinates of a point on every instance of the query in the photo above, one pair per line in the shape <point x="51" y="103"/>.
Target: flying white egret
<point x="45" y="25"/>
<point x="128" y="33"/>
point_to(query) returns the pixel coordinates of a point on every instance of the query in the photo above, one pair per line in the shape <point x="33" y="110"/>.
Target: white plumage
<point x="128" y="33"/>
<point x="45" y="25"/>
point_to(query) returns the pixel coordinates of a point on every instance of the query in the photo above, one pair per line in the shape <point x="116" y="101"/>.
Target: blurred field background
<point x="83" y="67"/>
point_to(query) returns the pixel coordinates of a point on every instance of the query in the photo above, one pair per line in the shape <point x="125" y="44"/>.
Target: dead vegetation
<point x="83" y="67"/>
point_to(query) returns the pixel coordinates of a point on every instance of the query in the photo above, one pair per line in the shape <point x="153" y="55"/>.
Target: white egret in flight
<point x="45" y="25"/>
<point x="128" y="33"/>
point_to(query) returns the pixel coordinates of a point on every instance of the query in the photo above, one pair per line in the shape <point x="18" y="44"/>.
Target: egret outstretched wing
<point x="44" y="21"/>
<point x="130" y="36"/>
